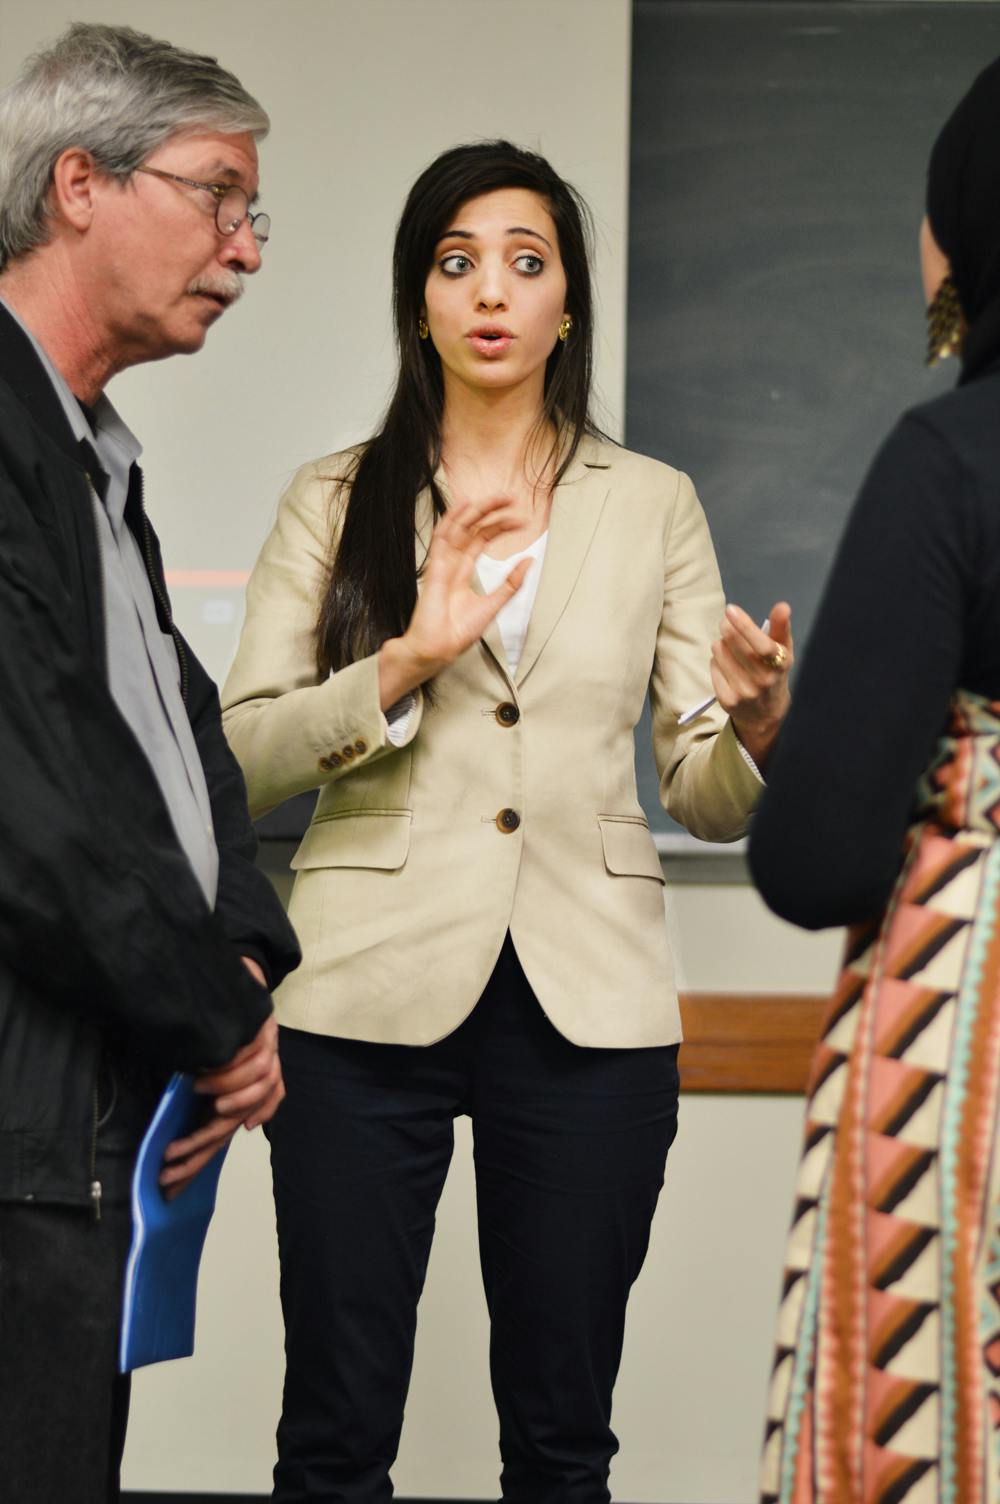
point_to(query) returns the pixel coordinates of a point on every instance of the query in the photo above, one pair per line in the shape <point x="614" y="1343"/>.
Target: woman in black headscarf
<point x="883" y="812"/>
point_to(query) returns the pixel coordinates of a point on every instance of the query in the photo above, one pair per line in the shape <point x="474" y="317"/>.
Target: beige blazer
<point x="513" y="803"/>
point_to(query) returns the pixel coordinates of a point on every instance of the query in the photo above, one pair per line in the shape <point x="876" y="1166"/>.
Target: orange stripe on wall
<point x="179" y="579"/>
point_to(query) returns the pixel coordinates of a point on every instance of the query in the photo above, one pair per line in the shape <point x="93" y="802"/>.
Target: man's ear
<point x="72" y="196"/>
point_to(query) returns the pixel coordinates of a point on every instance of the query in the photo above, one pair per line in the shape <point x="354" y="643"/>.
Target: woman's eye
<point x="454" y="264"/>
<point x="529" y="263"/>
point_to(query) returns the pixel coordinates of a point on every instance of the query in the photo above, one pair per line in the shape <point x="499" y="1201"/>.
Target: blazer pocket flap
<point x="370" y="838"/>
<point x="628" y="847"/>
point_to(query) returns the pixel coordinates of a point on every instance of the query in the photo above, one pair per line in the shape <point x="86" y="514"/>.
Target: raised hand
<point x="750" y="675"/>
<point x="450" y="615"/>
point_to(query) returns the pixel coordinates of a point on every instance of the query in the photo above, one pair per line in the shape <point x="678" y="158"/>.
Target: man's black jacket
<point x="107" y="946"/>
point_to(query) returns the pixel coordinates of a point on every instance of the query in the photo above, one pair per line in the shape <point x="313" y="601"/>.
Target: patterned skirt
<point x="886" y="1380"/>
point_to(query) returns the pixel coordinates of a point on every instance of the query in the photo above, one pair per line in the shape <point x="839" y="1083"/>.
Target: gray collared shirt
<point x="143" y="671"/>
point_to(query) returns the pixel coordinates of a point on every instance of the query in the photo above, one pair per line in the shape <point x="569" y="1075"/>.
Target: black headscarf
<point x="963" y="207"/>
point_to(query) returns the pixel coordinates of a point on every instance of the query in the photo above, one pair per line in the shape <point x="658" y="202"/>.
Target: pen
<point x="697" y="710"/>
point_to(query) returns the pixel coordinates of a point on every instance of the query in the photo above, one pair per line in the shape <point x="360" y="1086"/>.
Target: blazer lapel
<point x="424" y="515"/>
<point x="576" y="510"/>
<point x="491" y="639"/>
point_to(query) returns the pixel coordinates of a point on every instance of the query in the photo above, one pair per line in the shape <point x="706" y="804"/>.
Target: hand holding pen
<point x="750" y="667"/>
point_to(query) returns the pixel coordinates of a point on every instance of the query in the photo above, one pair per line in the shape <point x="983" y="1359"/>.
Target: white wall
<point x="363" y="93"/>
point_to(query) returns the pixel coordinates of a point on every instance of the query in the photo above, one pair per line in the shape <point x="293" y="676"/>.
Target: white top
<point x="513" y="617"/>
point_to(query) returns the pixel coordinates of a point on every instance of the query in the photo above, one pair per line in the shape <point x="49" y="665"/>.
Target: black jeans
<point x="570" y="1148"/>
<point x="63" y="1404"/>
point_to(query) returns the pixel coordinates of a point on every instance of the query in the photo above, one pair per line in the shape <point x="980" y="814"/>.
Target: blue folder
<point x="161" y="1278"/>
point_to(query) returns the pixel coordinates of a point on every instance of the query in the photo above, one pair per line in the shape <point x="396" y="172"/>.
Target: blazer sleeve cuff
<point x="751" y="764"/>
<point x="739" y="785"/>
<point x="715" y="790"/>
<point x="353" y="729"/>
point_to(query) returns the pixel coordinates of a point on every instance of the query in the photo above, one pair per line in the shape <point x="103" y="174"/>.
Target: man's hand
<point x="248" y="1090"/>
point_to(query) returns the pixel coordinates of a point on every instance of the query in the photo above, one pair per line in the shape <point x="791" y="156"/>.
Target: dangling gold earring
<point x="945" y="323"/>
<point x="423" y="329"/>
<point x="564" y="328"/>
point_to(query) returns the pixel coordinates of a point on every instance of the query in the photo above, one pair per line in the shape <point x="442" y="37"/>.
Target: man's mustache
<point x="225" y="285"/>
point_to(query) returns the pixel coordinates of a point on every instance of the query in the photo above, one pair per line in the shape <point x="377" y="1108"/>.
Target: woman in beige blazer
<point x="479" y="879"/>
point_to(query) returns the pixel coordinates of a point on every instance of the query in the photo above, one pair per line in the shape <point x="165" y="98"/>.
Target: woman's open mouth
<point x="490" y="340"/>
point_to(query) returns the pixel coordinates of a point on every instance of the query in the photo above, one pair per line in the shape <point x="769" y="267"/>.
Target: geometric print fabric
<point x="885" y="1387"/>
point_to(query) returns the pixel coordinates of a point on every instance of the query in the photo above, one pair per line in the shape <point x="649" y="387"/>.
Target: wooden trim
<point x="748" y="1042"/>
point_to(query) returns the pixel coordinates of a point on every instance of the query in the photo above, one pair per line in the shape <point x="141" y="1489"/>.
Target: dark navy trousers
<point x="570" y="1149"/>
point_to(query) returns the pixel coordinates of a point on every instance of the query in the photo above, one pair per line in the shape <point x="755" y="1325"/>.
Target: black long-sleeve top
<point x="910" y="613"/>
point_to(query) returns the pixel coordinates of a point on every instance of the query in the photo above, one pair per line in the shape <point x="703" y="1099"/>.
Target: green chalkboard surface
<point x="775" y="323"/>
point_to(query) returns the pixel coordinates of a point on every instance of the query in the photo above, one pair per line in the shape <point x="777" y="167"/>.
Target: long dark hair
<point x="373" y="571"/>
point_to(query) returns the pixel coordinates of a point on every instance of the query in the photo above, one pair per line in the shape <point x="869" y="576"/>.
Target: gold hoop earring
<point x="945" y="323"/>
<point x="564" y="328"/>
<point x="423" y="329"/>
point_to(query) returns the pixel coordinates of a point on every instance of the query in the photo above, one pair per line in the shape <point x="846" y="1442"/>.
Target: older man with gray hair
<point x="136" y="936"/>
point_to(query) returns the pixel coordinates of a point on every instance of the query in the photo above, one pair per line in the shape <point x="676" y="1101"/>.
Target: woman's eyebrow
<point x="524" y="230"/>
<point x="514" y="230"/>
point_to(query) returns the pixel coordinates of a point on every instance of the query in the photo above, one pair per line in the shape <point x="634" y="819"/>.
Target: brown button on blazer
<point x="406" y="880"/>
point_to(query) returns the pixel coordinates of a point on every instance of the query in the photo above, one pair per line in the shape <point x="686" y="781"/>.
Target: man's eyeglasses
<point x="232" y="206"/>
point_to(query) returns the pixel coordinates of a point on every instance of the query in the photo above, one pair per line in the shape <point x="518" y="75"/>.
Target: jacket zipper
<point x="96" y="1190"/>
<point x="157" y="588"/>
<point x="95" y="501"/>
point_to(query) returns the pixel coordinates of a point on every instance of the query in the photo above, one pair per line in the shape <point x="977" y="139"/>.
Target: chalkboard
<point x="775" y="320"/>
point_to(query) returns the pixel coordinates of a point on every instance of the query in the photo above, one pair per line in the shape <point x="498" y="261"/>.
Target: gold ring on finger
<point x="777" y="659"/>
